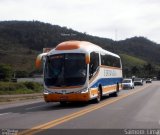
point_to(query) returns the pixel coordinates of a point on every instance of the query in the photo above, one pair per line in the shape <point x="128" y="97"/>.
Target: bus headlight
<point x="46" y="92"/>
<point x="83" y="90"/>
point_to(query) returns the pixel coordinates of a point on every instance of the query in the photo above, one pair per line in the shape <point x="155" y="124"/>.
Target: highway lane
<point x="138" y="110"/>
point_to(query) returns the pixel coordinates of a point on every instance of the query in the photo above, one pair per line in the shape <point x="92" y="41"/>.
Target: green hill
<point x="22" y="41"/>
<point x="140" y="47"/>
<point x="130" y="61"/>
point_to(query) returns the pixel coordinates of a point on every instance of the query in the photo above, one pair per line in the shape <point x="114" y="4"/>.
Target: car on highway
<point x="154" y="78"/>
<point x="148" y="80"/>
<point x="138" y="81"/>
<point x="127" y="84"/>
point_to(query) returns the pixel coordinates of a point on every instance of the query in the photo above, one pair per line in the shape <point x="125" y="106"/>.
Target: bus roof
<point x="71" y="46"/>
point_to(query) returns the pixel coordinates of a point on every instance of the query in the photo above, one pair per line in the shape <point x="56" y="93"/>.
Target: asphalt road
<point x="132" y="109"/>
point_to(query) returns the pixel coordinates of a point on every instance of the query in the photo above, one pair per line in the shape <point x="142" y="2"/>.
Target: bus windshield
<point x="68" y="69"/>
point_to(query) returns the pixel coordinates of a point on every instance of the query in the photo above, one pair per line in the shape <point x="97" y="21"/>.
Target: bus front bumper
<point x="66" y="97"/>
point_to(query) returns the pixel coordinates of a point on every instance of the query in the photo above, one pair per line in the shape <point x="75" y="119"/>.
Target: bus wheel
<point x="63" y="103"/>
<point x="99" y="97"/>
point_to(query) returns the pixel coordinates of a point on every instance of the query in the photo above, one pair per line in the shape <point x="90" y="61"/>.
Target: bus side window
<point x="94" y="63"/>
<point x="109" y="60"/>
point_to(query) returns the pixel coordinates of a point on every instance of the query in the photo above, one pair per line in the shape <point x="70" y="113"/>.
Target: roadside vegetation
<point x="7" y="88"/>
<point x="133" y="66"/>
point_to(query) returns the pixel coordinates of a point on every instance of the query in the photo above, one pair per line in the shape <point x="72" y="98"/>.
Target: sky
<point x="114" y="19"/>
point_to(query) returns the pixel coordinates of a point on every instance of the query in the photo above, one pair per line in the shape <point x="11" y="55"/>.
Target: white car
<point x="128" y="84"/>
<point x="148" y="80"/>
<point x="138" y="81"/>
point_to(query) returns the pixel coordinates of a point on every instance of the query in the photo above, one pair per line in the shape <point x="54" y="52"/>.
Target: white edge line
<point x="34" y="107"/>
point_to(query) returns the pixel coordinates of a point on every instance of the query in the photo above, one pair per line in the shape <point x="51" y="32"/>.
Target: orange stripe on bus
<point x="94" y="91"/>
<point x="109" y="88"/>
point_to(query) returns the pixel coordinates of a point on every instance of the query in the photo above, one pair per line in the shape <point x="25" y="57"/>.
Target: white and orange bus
<point x="80" y="71"/>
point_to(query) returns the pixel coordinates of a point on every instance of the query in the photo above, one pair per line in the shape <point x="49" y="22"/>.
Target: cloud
<point x="96" y="17"/>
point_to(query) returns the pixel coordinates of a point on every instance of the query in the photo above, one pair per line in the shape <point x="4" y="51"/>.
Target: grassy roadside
<point x="130" y="61"/>
<point x="20" y="97"/>
<point x="10" y="88"/>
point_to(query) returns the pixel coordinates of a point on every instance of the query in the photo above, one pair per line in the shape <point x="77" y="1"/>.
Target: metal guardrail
<point x="38" y="80"/>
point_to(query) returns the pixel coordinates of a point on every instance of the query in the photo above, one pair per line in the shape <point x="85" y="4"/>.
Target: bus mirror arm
<point x="39" y="60"/>
<point x="87" y="59"/>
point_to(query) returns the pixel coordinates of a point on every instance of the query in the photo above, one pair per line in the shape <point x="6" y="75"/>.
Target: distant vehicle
<point x="138" y="81"/>
<point x="154" y="78"/>
<point x="148" y="80"/>
<point x="80" y="71"/>
<point x="127" y="83"/>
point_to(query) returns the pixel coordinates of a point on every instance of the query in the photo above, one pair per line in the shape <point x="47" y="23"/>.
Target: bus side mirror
<point x="87" y="59"/>
<point x="39" y="60"/>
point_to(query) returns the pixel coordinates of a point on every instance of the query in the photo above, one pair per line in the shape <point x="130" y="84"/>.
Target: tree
<point x="5" y="72"/>
<point x="126" y="72"/>
<point x="158" y="75"/>
<point x="134" y="70"/>
<point x="149" y="70"/>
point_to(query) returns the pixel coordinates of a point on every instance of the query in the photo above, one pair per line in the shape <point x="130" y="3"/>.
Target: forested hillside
<point x="140" y="47"/>
<point x="21" y="41"/>
<point x="36" y="35"/>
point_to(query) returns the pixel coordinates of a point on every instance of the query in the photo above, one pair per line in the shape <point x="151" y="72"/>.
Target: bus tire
<point x="99" y="97"/>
